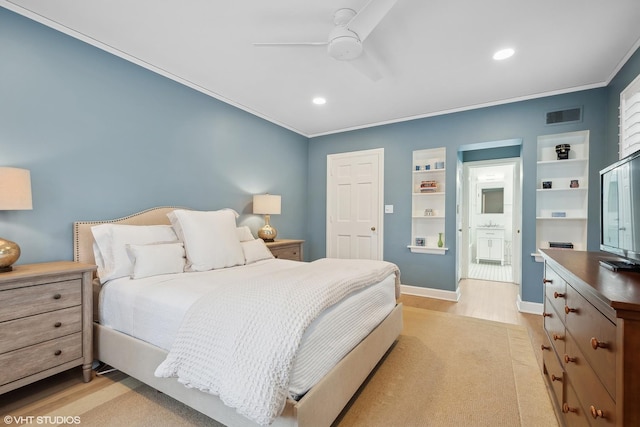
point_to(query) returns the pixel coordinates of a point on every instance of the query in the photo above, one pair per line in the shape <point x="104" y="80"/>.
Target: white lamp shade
<point x="15" y="189"/>
<point x="268" y="204"/>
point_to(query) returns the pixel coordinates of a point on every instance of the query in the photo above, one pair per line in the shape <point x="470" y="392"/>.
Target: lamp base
<point x="267" y="233"/>
<point x="9" y="254"/>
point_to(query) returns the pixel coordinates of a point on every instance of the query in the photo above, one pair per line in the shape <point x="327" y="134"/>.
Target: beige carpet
<point x="445" y="370"/>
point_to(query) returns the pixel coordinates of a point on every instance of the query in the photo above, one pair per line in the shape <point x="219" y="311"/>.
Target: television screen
<point x="620" y="208"/>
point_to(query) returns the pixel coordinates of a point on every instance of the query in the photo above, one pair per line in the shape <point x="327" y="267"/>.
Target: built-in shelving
<point x="428" y="201"/>
<point x="562" y="191"/>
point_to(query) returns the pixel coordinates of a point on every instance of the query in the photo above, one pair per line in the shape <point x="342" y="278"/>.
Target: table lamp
<point x="267" y="204"/>
<point x="15" y="194"/>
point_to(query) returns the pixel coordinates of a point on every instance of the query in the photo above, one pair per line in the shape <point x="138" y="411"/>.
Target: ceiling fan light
<point x="503" y="54"/>
<point x="344" y="45"/>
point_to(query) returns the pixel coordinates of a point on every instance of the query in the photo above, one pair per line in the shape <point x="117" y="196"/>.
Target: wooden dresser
<point x="287" y="249"/>
<point x="45" y="322"/>
<point x="592" y="350"/>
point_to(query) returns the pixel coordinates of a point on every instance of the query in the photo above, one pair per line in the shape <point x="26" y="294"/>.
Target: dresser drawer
<point x="592" y="395"/>
<point x="591" y="328"/>
<point x="30" y="300"/>
<point x="287" y="252"/>
<point x="555" y="289"/>
<point x="554" y="327"/>
<point x="553" y="371"/>
<point x="574" y="415"/>
<point x="40" y="357"/>
<point x="41" y="327"/>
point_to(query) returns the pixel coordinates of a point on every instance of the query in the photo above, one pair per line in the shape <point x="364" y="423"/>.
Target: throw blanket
<point x="240" y="343"/>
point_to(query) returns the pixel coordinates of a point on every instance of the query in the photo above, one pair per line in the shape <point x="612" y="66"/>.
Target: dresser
<point x="45" y="321"/>
<point x="287" y="249"/>
<point x="592" y="351"/>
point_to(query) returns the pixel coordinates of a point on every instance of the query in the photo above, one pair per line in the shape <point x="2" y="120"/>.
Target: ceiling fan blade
<point x="369" y="17"/>
<point x="369" y="65"/>
<point x="276" y="44"/>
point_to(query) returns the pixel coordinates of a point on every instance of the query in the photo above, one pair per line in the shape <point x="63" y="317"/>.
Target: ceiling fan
<point x="351" y="30"/>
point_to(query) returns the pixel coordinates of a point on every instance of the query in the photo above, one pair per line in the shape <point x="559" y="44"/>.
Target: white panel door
<point x="354" y="205"/>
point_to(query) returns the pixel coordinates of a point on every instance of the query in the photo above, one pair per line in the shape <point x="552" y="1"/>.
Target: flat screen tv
<point x="620" y="211"/>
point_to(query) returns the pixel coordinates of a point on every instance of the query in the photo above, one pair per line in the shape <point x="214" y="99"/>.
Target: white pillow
<point x="244" y="234"/>
<point x="111" y="242"/>
<point x="155" y="259"/>
<point x="210" y="238"/>
<point x="255" y="250"/>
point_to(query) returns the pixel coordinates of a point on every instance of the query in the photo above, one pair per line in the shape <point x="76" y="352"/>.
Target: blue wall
<point x="104" y="138"/>
<point x="521" y="120"/>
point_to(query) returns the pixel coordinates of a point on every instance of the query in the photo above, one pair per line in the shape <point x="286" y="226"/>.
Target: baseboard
<point x="430" y="293"/>
<point x="529" y="307"/>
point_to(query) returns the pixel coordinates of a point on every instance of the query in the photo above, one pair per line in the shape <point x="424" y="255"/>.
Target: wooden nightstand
<point x="287" y="249"/>
<point x="45" y="321"/>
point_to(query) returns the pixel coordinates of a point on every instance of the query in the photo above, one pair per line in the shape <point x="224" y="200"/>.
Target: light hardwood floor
<point x="488" y="300"/>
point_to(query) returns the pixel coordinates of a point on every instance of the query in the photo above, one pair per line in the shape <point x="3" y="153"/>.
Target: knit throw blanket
<point x="240" y="343"/>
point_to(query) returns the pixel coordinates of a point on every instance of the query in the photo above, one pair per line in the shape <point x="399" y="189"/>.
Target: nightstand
<point x="45" y="321"/>
<point x="287" y="249"/>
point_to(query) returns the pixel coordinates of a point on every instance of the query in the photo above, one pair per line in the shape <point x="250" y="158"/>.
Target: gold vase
<point x="9" y="254"/>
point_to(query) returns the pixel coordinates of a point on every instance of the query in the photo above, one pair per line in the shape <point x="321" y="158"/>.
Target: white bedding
<point x="151" y="309"/>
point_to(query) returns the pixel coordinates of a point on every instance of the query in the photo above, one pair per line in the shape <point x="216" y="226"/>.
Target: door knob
<point x="373" y="229"/>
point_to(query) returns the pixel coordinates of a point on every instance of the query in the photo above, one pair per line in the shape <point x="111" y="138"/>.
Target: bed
<point x="140" y="356"/>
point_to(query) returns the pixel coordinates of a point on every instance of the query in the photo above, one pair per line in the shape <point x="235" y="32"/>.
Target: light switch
<point x="388" y="208"/>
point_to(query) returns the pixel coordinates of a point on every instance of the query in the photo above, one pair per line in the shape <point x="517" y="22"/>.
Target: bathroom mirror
<point x="492" y="200"/>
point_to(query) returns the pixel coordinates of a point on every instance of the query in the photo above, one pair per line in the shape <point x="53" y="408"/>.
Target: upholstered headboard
<point x="83" y="238"/>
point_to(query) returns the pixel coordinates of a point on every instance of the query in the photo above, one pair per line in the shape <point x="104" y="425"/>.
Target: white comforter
<point x="240" y="342"/>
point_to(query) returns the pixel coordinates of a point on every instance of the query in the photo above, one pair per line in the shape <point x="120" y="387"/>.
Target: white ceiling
<point x="437" y="54"/>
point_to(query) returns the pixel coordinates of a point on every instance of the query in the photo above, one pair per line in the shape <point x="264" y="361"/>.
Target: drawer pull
<point x="568" y="359"/>
<point x="547" y="281"/>
<point x="545" y="314"/>
<point x="595" y="344"/>
<point x="566" y="408"/>
<point x="557" y="337"/>
<point x="596" y="413"/>
<point x="544" y="347"/>
<point x="57" y="296"/>
<point x="558" y="295"/>
<point x="57" y="324"/>
<point x="568" y="309"/>
<point x="58" y="352"/>
<point x="554" y="378"/>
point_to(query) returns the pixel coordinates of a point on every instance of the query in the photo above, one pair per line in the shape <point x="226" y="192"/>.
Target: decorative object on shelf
<point x="15" y="194"/>
<point x="428" y="186"/>
<point x="418" y="167"/>
<point x="439" y="165"/>
<point x="574" y="183"/>
<point x="558" y="214"/>
<point x="420" y="241"/>
<point x="546" y="184"/>
<point x="427" y="167"/>
<point x="267" y="205"/>
<point x="562" y="150"/>
<point x="428" y="212"/>
<point x="440" y="242"/>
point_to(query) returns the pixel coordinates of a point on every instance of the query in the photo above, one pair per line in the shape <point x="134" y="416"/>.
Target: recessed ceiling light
<point x="319" y="100"/>
<point x="503" y="54"/>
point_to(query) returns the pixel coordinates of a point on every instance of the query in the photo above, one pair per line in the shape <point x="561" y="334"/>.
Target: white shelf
<point x="428" y="250"/>
<point x="428" y="227"/>
<point x="433" y="193"/>
<point x="561" y="197"/>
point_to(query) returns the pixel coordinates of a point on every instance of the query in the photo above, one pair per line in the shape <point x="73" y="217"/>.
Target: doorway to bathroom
<point x="490" y="216"/>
